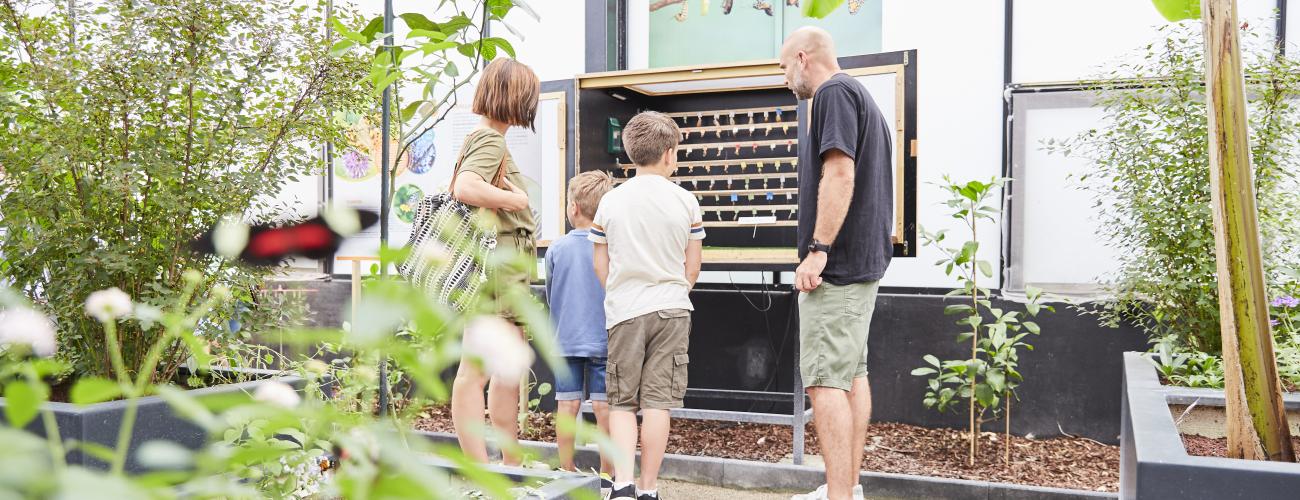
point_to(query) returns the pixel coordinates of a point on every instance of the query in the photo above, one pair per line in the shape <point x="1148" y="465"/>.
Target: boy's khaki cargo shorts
<point x="648" y="362"/>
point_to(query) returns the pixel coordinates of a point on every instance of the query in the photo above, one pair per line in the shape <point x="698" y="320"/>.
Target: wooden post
<point x="1258" y="428"/>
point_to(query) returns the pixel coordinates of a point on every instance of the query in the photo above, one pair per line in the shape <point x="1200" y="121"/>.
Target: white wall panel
<point x="959" y="81"/>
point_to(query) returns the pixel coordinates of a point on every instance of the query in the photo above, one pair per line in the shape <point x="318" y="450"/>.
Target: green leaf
<point x="457" y="23"/>
<point x="92" y="390"/>
<point x="96" y="450"/>
<point x="197" y="349"/>
<point x="956" y="309"/>
<point x="409" y="111"/>
<point x="342" y="46"/>
<point x="967" y="252"/>
<point x="347" y="33"/>
<point x="451" y="70"/>
<point x="1178" y="10"/>
<point x="430" y="48"/>
<point x="432" y="35"/>
<point x="469" y="49"/>
<point x="21" y="403"/>
<point x="985" y="268"/>
<point x="372" y="29"/>
<point x="819" y="9"/>
<point x="503" y="45"/>
<point x="997" y="380"/>
<point x="187" y="407"/>
<point x="417" y="22"/>
<point x="1031" y="326"/>
<point x="929" y="358"/>
<point x="544" y="389"/>
<point x="385" y="81"/>
<point x="923" y="371"/>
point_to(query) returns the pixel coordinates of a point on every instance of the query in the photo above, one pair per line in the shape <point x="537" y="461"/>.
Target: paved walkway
<point x="677" y="490"/>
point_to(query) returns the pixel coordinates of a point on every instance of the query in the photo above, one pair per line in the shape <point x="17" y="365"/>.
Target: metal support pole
<point x="326" y="191"/>
<point x="385" y="182"/>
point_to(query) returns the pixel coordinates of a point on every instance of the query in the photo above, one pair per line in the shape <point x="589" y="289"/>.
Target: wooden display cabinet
<point x="741" y="127"/>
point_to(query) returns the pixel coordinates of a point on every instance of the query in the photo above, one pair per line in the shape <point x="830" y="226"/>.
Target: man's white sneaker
<point x="820" y="494"/>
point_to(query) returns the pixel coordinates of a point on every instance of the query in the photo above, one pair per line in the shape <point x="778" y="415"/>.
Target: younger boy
<point x="575" y="298"/>
<point x="648" y="236"/>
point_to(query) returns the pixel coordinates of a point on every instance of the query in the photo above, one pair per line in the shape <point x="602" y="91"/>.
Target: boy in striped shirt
<point x="648" y="235"/>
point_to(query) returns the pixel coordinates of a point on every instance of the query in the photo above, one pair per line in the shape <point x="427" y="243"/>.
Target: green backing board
<point x="748" y="34"/>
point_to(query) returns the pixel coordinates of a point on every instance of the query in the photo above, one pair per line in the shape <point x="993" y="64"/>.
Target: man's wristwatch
<point x="817" y="246"/>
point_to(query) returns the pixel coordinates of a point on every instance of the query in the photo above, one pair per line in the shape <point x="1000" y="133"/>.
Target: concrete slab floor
<point x="678" y="490"/>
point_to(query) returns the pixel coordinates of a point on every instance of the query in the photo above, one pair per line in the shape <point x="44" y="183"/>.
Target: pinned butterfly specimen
<point x="267" y="244"/>
<point x="764" y="6"/>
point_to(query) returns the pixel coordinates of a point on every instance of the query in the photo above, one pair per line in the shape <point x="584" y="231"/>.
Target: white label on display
<point x="756" y="220"/>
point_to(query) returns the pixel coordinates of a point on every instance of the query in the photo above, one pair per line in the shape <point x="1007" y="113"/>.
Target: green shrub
<point x="1151" y="178"/>
<point x="131" y="130"/>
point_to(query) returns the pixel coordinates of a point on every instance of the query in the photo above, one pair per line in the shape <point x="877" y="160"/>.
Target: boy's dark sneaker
<point x="606" y="486"/>
<point x="627" y="492"/>
<point x="648" y="496"/>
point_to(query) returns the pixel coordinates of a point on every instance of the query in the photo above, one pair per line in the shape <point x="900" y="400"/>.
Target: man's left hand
<point x="808" y="276"/>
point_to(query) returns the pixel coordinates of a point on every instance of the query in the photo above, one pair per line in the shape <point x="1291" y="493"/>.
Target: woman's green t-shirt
<point x="484" y="150"/>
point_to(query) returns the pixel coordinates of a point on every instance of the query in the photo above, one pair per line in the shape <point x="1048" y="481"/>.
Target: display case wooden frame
<point x="562" y="142"/>
<point x="600" y="95"/>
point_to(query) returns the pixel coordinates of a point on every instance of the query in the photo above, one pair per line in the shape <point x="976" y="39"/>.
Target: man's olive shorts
<point x="833" y="325"/>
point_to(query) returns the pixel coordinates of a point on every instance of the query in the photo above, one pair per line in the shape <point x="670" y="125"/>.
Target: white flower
<point x="499" y="345"/>
<point x="278" y="394"/>
<point x="316" y="367"/>
<point x="20" y="325"/>
<point x="343" y="220"/>
<point x="147" y="314"/>
<point x="230" y="237"/>
<point x="108" y="305"/>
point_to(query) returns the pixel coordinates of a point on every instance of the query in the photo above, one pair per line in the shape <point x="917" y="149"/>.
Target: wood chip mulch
<point x="1061" y="462"/>
<point x="1201" y="446"/>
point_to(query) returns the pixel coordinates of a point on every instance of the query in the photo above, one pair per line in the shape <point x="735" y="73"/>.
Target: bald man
<point x="845" y="216"/>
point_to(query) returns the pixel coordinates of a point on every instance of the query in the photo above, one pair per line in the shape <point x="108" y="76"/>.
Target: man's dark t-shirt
<point x="844" y="117"/>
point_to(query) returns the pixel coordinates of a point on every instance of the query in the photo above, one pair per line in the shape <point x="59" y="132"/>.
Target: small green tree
<point x="990" y="375"/>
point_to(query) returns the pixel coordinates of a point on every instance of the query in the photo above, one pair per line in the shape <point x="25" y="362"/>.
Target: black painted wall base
<point x="1072" y="377"/>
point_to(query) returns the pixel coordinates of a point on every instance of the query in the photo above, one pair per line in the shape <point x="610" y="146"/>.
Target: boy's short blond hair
<point x="586" y="190"/>
<point x="647" y="135"/>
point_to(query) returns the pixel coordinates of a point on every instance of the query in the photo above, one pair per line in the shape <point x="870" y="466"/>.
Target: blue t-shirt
<point x="576" y="298"/>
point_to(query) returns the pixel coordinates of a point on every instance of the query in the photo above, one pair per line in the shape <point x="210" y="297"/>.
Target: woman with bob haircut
<point x="506" y="97"/>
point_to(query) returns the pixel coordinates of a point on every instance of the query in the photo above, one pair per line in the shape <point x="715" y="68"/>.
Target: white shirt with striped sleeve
<point x="647" y="223"/>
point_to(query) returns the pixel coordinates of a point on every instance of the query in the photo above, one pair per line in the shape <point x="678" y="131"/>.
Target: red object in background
<point x="270" y="244"/>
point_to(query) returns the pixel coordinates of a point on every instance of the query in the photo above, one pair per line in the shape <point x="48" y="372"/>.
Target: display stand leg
<point x="798" y="417"/>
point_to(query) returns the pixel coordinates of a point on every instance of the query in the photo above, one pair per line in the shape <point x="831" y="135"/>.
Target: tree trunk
<point x="1258" y="428"/>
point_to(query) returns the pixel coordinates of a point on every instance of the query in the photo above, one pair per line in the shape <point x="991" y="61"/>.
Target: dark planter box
<point x="1154" y="463"/>
<point x="99" y="423"/>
